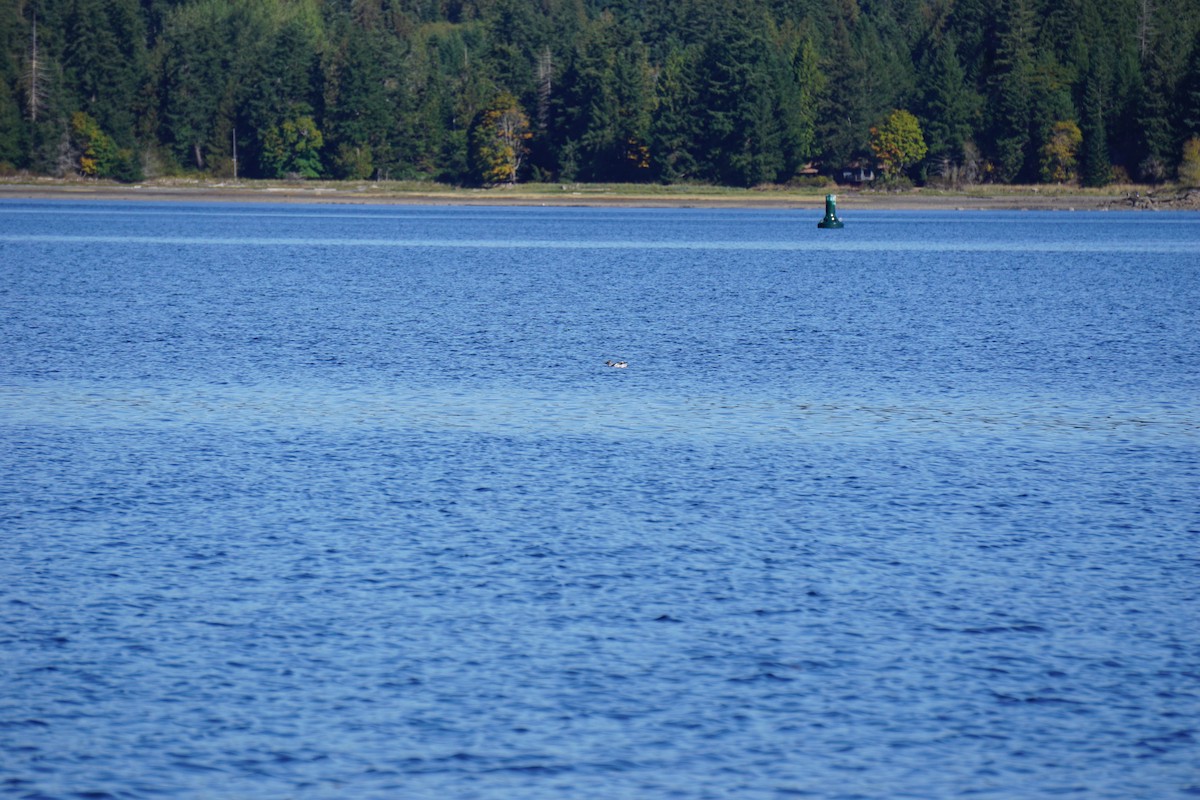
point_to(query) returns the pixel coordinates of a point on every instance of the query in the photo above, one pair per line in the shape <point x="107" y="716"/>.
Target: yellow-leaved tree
<point x="1189" y="166"/>
<point x="97" y="153"/>
<point x="1060" y="152"/>
<point x="499" y="140"/>
<point x="897" y="143"/>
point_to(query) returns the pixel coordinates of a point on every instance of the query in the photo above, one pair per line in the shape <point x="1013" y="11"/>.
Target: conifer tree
<point x="674" y="129"/>
<point x="1010" y="101"/>
<point x="12" y="40"/>
<point x="812" y="88"/>
<point x="948" y="106"/>
<point x="742" y="142"/>
<point x="194" y="55"/>
<point x="844" y="118"/>
<point x="1189" y="93"/>
<point x="607" y="100"/>
<point x="1096" y="163"/>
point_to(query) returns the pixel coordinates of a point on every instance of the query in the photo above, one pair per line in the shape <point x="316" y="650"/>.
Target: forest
<point x="485" y="92"/>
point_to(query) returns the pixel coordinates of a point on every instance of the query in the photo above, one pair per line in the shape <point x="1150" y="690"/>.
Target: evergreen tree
<point x="845" y="115"/>
<point x="948" y="106"/>
<point x="1164" y="50"/>
<point x="604" y="119"/>
<point x="675" y="128"/>
<point x="273" y="93"/>
<point x="1189" y="93"/>
<point x="13" y="41"/>
<point x="514" y="35"/>
<point x="1097" y="164"/>
<point x="1157" y="137"/>
<point x="802" y="88"/>
<point x="1010" y="100"/>
<point x="354" y="105"/>
<point x="1051" y="105"/>
<point x="195" y="63"/>
<point x="738" y="97"/>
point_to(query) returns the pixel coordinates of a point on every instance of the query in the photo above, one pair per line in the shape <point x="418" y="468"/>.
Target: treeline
<point x="737" y="92"/>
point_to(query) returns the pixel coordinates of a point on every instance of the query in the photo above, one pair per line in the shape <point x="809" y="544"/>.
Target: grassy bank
<point x="631" y="195"/>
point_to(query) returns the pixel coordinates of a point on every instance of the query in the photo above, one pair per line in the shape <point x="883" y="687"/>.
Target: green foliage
<point x="675" y="129"/>
<point x="801" y="113"/>
<point x="949" y="108"/>
<point x="604" y="118"/>
<point x="897" y="143"/>
<point x="722" y="91"/>
<point x="1189" y="92"/>
<point x="97" y="151"/>
<point x="105" y="61"/>
<point x="1096" y="166"/>
<point x="742" y="143"/>
<point x="1010" y="100"/>
<point x="293" y="148"/>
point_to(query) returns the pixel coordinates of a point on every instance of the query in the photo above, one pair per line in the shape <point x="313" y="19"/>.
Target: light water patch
<point x="607" y="415"/>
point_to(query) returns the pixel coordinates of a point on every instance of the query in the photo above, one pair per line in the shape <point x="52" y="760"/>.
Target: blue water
<point x="342" y="502"/>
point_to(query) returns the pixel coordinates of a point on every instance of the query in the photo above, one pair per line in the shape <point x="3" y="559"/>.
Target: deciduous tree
<point x="97" y="152"/>
<point x="500" y="141"/>
<point x="293" y="148"/>
<point x="1189" y="165"/>
<point x="1060" y="152"/>
<point x="897" y="143"/>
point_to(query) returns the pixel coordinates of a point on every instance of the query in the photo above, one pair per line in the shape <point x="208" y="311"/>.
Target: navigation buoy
<point x="831" y="218"/>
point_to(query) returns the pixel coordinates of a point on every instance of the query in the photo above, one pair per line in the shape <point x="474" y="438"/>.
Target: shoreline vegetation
<point x="987" y="197"/>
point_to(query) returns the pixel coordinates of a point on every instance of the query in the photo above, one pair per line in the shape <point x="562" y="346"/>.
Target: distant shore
<point x="612" y="195"/>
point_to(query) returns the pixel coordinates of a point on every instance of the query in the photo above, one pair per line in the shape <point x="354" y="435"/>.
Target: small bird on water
<point x="617" y="364"/>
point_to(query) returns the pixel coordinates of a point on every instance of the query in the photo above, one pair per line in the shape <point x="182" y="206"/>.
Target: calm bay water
<point x="330" y="502"/>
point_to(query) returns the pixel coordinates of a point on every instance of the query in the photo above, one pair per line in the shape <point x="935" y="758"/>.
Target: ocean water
<point x="342" y="502"/>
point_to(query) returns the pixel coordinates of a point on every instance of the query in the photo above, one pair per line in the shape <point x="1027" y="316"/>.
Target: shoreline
<point x="602" y="195"/>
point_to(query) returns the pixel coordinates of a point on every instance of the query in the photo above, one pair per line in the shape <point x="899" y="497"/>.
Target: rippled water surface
<point x="342" y="502"/>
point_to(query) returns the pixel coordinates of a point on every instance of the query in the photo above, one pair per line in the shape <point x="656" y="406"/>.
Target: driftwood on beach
<point x="1178" y="200"/>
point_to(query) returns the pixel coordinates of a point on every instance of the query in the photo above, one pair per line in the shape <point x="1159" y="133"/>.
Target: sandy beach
<point x="649" y="196"/>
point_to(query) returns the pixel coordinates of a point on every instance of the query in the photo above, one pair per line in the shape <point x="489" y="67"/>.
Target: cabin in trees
<point x="856" y="172"/>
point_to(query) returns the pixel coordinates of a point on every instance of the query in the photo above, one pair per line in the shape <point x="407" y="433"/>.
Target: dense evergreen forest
<point x="736" y="92"/>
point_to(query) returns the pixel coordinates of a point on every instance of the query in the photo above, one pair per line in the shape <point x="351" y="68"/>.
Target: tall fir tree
<point x="1010" y="101"/>
<point x="948" y="106"/>
<point x="1188" y="102"/>
<point x="1096" y="160"/>
<point x="675" y="128"/>
<point x="604" y="117"/>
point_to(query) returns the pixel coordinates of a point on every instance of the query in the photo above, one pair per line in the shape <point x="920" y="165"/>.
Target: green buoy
<point x="831" y="218"/>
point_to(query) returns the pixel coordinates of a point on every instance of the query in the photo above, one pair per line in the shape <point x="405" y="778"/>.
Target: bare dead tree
<point x="67" y="154"/>
<point x="545" y="75"/>
<point x="34" y="77"/>
<point x="1145" y="27"/>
